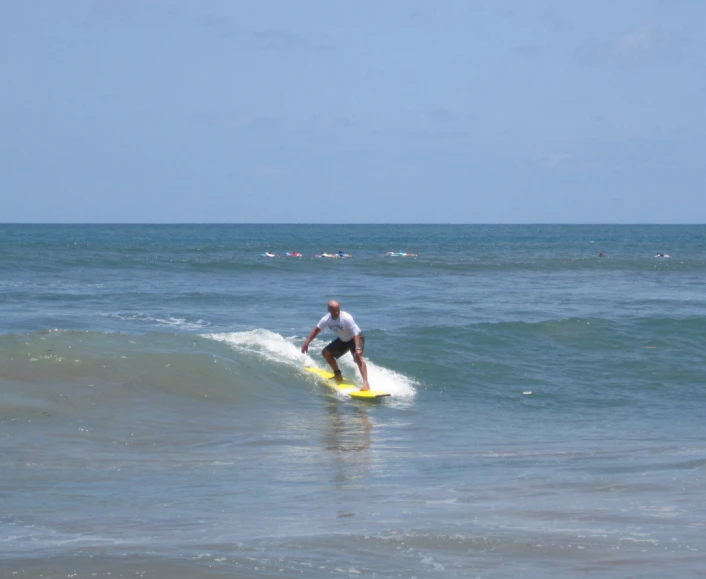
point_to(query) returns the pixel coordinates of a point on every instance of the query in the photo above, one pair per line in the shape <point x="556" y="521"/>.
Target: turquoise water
<point x="546" y="416"/>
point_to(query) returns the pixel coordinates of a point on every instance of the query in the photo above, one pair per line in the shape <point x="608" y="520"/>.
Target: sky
<point x="380" y="111"/>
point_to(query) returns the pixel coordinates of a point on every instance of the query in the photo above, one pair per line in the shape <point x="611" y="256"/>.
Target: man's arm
<point x="356" y="339"/>
<point x="315" y="332"/>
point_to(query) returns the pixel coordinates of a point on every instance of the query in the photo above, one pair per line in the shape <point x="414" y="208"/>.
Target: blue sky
<point x="498" y="111"/>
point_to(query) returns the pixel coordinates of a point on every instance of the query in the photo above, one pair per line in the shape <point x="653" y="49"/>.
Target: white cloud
<point x="647" y="43"/>
<point x="553" y="161"/>
<point x="643" y="45"/>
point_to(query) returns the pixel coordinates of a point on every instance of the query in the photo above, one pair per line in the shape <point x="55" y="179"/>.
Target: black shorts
<point x="339" y="347"/>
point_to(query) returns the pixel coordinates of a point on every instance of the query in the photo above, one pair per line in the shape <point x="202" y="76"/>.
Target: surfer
<point x="350" y="339"/>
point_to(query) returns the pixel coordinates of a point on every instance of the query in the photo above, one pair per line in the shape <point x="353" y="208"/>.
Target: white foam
<point x="24" y="538"/>
<point x="169" y="321"/>
<point x="265" y="344"/>
<point x="380" y="378"/>
<point x="276" y="348"/>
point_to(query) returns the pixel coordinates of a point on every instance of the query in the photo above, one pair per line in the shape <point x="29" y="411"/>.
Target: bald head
<point x="334" y="308"/>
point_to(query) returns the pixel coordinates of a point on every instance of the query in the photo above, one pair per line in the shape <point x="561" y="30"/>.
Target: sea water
<point x="547" y="414"/>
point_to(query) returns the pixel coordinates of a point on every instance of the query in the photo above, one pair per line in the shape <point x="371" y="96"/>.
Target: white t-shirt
<point x="344" y="327"/>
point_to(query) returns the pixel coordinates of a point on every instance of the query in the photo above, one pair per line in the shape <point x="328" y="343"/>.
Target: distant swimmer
<point x="334" y="255"/>
<point x="662" y="255"/>
<point x="294" y="254"/>
<point x="350" y="339"/>
<point x="601" y="254"/>
<point x="341" y="254"/>
<point x="268" y="254"/>
<point x="400" y="254"/>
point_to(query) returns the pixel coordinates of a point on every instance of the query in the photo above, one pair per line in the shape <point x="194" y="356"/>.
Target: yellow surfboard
<point x="345" y="385"/>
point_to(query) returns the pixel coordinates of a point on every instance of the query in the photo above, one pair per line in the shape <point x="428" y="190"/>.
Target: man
<point x="350" y="339"/>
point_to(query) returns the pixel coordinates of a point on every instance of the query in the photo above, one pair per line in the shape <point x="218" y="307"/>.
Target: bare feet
<point x="365" y="387"/>
<point x="337" y="376"/>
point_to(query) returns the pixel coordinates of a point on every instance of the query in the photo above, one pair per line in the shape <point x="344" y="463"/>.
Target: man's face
<point x="334" y="311"/>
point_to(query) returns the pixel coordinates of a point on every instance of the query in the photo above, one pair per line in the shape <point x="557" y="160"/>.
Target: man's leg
<point x="358" y="357"/>
<point x="331" y="359"/>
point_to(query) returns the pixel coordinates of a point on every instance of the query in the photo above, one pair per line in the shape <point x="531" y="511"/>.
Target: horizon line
<point x="168" y="223"/>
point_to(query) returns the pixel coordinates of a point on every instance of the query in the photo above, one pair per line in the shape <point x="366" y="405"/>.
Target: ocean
<point x="547" y="415"/>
